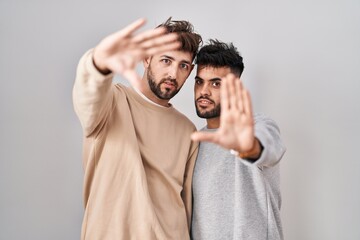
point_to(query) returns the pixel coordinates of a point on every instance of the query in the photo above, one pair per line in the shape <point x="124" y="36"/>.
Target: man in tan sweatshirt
<point x="138" y="157"/>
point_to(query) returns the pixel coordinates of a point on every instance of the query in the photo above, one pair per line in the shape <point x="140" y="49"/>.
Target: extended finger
<point x="133" y="78"/>
<point x="224" y="94"/>
<point x="240" y="95"/>
<point x="129" y="29"/>
<point x="159" y="40"/>
<point x="203" y="137"/>
<point x="162" y="48"/>
<point x="148" y="34"/>
<point x="247" y="103"/>
<point x="232" y="91"/>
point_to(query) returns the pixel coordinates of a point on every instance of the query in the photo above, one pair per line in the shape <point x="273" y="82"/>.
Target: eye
<point x="216" y="84"/>
<point x="165" y="60"/>
<point x="184" y="66"/>
<point x="198" y="81"/>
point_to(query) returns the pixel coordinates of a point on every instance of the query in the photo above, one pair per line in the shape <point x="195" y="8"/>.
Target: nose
<point x="172" y="73"/>
<point x="204" y="91"/>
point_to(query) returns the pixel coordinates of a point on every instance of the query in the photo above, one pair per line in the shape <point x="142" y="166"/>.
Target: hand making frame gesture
<point x="121" y="51"/>
<point x="236" y="130"/>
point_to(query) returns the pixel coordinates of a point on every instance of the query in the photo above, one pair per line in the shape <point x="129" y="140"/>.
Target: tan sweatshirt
<point x="138" y="160"/>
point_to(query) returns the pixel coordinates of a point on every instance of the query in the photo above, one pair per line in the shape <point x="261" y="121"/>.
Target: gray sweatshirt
<point x="237" y="199"/>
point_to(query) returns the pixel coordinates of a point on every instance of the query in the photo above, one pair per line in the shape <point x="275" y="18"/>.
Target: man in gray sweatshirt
<point x="236" y="188"/>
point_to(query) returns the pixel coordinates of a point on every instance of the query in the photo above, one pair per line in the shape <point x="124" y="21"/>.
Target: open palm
<point x="121" y="51"/>
<point x="236" y="129"/>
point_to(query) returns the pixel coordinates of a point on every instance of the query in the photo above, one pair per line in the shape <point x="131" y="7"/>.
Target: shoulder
<point x="183" y="120"/>
<point x="262" y="118"/>
<point x="121" y="88"/>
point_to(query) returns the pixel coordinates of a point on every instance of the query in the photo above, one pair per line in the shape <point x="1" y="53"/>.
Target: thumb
<point x="133" y="78"/>
<point x="203" y="137"/>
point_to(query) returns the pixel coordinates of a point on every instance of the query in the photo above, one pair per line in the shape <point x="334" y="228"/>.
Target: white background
<point x="302" y="66"/>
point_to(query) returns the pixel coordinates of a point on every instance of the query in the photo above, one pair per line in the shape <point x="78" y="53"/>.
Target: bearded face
<point x="165" y="89"/>
<point x="207" y="91"/>
<point x="205" y="112"/>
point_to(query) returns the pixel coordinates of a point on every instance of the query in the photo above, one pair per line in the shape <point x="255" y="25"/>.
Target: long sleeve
<point x="92" y="95"/>
<point x="268" y="133"/>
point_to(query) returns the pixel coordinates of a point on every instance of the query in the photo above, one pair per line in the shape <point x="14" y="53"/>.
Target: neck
<point x="213" y="123"/>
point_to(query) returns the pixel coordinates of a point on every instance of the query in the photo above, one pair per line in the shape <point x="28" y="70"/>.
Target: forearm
<point x="254" y="153"/>
<point x="99" y="64"/>
<point x="92" y="93"/>
<point x="268" y="134"/>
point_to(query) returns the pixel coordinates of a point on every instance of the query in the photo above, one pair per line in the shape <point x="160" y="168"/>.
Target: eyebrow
<point x="211" y="80"/>
<point x="182" y="61"/>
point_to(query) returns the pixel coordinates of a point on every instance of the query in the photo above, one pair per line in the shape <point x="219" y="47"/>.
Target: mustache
<point x="204" y="98"/>
<point x="173" y="81"/>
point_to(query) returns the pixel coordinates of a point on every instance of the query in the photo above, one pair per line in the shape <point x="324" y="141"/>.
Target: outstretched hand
<point x="121" y="51"/>
<point x="236" y="129"/>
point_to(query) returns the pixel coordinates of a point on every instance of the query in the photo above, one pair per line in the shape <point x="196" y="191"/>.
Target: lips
<point x="204" y="102"/>
<point x="170" y="84"/>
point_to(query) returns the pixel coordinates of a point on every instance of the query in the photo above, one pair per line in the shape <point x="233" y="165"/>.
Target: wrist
<point x="253" y="153"/>
<point x="102" y="69"/>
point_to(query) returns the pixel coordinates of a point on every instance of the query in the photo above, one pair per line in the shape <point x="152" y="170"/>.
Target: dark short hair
<point x="219" y="54"/>
<point x="190" y="40"/>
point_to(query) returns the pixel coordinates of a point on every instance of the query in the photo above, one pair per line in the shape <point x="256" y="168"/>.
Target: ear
<point x="146" y="62"/>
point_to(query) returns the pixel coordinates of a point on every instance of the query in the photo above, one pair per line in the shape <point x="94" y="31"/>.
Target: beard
<point x="156" y="88"/>
<point x="213" y="113"/>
